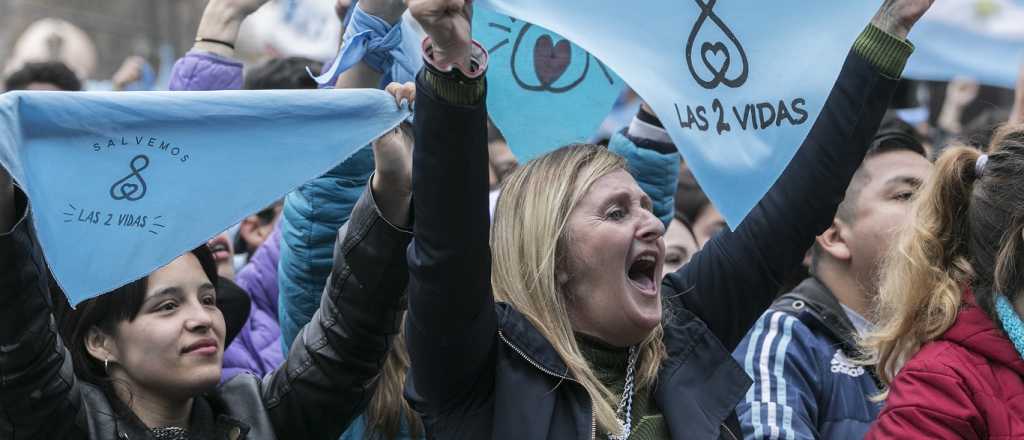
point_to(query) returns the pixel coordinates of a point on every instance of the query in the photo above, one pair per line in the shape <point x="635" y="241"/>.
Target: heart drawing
<point x="716" y="57"/>
<point x="550" y="60"/>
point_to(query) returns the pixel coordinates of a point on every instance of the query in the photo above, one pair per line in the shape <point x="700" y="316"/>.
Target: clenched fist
<point x="448" y="23"/>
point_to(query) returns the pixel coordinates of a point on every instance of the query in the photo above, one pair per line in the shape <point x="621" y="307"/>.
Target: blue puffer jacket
<point x="805" y="384"/>
<point x="309" y="223"/>
<point x="655" y="166"/>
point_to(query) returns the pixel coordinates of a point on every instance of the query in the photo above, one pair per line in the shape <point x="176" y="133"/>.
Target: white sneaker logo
<point x="843" y="365"/>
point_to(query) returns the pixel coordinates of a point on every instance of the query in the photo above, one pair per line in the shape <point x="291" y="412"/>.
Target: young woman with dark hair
<point x="144" y="361"/>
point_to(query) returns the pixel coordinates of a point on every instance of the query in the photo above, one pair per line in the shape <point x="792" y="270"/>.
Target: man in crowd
<point x="799" y="353"/>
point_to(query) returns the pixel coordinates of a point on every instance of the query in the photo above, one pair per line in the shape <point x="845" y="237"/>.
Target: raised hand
<point x="1017" y="115"/>
<point x="341" y="10"/>
<point x="897" y="17"/>
<point x="959" y="94"/>
<point x="448" y="23"/>
<point x="387" y="10"/>
<point x="242" y="8"/>
<point x="129" y="72"/>
<point x="392" y="157"/>
<point x="221" y="21"/>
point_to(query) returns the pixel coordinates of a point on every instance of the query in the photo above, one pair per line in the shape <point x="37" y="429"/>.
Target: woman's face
<point x="708" y="224"/>
<point x="175" y="344"/>
<point x="614" y="265"/>
<point x="680" y="245"/>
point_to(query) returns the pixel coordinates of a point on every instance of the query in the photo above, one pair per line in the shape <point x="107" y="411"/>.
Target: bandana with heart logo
<point x="738" y="84"/>
<point x="543" y="91"/>
<point x="122" y="183"/>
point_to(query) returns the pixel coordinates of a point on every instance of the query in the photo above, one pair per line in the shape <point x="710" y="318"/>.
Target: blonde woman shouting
<point x="551" y="325"/>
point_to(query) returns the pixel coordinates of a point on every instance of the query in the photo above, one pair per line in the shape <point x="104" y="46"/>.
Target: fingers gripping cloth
<point x="371" y="39"/>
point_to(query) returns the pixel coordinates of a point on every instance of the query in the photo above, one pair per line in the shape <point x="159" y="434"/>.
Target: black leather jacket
<point x="323" y="385"/>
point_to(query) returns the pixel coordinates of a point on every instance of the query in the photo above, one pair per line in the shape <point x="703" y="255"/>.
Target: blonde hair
<point x="965" y="231"/>
<point x="529" y="244"/>
<point x="388" y="408"/>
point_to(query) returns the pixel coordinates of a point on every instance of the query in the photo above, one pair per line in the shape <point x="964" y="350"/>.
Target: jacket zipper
<point x="593" y="412"/>
<point x="729" y="431"/>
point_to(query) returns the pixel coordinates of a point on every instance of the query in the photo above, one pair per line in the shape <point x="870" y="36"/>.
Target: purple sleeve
<point x="259" y="276"/>
<point x="257" y="348"/>
<point x="198" y="71"/>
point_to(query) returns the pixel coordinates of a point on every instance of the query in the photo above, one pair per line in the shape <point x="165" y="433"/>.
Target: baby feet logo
<point x="719" y="63"/>
<point x="541" y="61"/>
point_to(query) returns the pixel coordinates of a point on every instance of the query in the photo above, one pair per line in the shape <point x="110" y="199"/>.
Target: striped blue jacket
<point x="805" y="385"/>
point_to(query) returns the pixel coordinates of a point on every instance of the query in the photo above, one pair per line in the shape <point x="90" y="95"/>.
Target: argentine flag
<point x="982" y="39"/>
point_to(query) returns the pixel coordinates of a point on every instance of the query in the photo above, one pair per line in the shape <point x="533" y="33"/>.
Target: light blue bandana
<point x="122" y="183"/>
<point x="738" y="84"/>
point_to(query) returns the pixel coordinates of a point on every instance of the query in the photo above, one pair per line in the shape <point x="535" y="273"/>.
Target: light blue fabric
<point x="718" y="61"/>
<point x="979" y="39"/>
<point x="543" y="92"/>
<point x="1011" y="323"/>
<point x="391" y="50"/>
<point x="122" y="183"/>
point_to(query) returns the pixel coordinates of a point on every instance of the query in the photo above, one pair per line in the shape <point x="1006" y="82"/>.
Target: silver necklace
<point x="170" y="433"/>
<point x="625" y="410"/>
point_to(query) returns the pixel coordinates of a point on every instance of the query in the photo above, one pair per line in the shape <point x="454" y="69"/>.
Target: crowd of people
<point x="447" y="291"/>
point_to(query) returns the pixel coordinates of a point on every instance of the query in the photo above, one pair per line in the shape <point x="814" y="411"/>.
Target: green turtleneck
<point x="609" y="364"/>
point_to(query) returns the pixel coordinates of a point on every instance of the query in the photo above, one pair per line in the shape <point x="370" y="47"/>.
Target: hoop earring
<point x="106" y="365"/>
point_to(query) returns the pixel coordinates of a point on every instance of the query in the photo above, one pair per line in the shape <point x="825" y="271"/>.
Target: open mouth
<point x="220" y="250"/>
<point x="641" y="273"/>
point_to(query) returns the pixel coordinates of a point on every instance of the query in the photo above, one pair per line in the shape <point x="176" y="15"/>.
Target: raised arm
<point x="39" y="394"/>
<point x="1017" y="114"/>
<point x="331" y="370"/>
<point x="736" y="276"/>
<point x="451" y="325"/>
<point x="210" y="65"/>
<point x="315" y="211"/>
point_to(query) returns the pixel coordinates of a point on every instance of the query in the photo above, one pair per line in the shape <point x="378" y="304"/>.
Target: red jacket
<point x="967" y="384"/>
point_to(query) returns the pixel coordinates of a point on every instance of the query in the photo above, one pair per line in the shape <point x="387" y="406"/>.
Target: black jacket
<point x="326" y="381"/>
<point x="816" y="307"/>
<point x="481" y="370"/>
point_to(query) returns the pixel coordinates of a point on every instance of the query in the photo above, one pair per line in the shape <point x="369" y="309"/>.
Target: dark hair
<point x="893" y="135"/>
<point x="265" y="217"/>
<point x="978" y="132"/>
<point x="690" y="198"/>
<point x="50" y="72"/>
<point x="989" y="221"/>
<point x="282" y="73"/>
<point x="105" y="312"/>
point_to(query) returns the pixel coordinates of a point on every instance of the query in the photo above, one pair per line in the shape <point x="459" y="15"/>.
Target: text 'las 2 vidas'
<point x="724" y="62"/>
